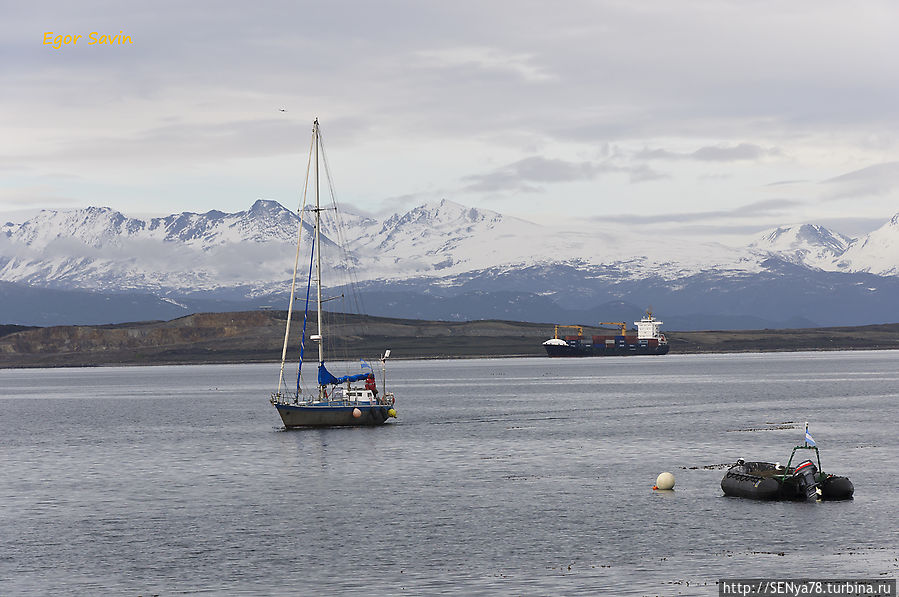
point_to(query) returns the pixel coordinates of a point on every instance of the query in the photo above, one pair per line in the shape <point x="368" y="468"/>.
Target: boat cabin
<point x="648" y="328"/>
<point x="358" y="395"/>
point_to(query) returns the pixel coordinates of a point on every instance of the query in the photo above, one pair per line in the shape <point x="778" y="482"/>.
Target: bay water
<point x="499" y="477"/>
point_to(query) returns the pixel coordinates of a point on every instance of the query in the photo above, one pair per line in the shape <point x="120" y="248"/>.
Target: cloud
<point x="643" y="173"/>
<point x="178" y="143"/>
<point x="398" y="203"/>
<point x="38" y="195"/>
<point x="779" y="183"/>
<point x="488" y="59"/>
<point x="229" y="262"/>
<point x="187" y="115"/>
<point x="743" y="151"/>
<point x="770" y="208"/>
<point x="526" y="175"/>
<point x="521" y="175"/>
<point x="880" y="179"/>
<point x="713" y="153"/>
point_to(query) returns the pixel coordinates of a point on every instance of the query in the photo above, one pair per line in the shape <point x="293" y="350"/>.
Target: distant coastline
<point x="257" y="337"/>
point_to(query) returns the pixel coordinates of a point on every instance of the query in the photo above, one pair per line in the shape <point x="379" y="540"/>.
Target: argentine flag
<point x="808" y="437"/>
<point x="367" y="366"/>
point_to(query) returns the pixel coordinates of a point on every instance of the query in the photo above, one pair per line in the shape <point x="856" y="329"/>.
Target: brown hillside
<point x="256" y="336"/>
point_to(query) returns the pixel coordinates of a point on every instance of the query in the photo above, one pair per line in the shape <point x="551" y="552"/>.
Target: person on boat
<point x="370" y="384"/>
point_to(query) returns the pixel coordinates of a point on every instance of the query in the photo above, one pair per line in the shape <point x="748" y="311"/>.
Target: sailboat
<point x="333" y="401"/>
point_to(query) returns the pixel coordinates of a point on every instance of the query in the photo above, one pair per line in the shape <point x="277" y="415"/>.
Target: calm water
<point x="514" y="476"/>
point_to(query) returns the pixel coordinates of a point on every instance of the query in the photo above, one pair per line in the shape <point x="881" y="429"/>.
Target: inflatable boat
<point x="772" y="481"/>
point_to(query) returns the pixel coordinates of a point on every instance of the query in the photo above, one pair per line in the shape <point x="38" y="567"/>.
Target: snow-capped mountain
<point x="446" y="238"/>
<point x="877" y="253"/>
<point x="99" y="227"/>
<point x="101" y="249"/>
<point x="450" y="250"/>
<point x="806" y="244"/>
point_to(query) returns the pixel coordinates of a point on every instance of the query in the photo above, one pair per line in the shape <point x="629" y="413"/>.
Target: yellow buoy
<point x="664" y="481"/>
<point x="391" y="412"/>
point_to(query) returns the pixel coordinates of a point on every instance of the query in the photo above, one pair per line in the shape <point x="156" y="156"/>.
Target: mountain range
<point x="440" y="261"/>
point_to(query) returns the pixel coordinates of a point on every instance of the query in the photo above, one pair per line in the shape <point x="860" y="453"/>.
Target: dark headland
<point x="257" y="336"/>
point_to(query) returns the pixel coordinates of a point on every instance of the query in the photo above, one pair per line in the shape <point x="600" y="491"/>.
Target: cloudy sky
<point x="691" y="117"/>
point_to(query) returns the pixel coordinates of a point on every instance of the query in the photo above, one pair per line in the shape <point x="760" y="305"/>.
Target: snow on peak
<point x="92" y="226"/>
<point x="802" y="236"/>
<point x="442" y="215"/>
<point x="100" y="248"/>
<point x="265" y="221"/>
<point x="876" y="253"/>
<point x="448" y="238"/>
<point x="805" y="244"/>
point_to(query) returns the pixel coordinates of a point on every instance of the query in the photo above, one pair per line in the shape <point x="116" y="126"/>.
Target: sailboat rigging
<point x="334" y="401"/>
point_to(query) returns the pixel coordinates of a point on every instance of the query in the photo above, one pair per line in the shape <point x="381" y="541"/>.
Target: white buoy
<point x="357" y="413"/>
<point x="664" y="481"/>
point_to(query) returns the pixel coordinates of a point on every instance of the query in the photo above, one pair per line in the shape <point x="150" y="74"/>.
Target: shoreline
<point x="258" y="337"/>
<point x="161" y="363"/>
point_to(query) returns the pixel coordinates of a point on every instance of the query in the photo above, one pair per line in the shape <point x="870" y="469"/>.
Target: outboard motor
<point x="804" y="480"/>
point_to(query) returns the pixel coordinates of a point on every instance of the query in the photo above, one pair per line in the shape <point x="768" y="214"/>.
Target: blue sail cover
<point x="325" y="377"/>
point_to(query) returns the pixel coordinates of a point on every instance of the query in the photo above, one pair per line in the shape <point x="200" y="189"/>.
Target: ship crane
<point x="620" y="324"/>
<point x="580" y="330"/>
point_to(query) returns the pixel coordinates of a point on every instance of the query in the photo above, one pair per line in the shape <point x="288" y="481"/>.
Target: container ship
<point x="648" y="340"/>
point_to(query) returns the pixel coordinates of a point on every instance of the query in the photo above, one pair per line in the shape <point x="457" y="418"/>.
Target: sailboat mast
<point x="318" y="256"/>
<point x="296" y="265"/>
